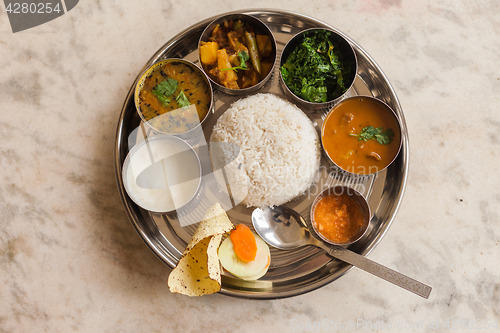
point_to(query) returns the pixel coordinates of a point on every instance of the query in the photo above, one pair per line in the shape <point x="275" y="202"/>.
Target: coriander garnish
<point x="378" y="134"/>
<point x="182" y="100"/>
<point x="164" y="90"/>
<point x="243" y="55"/>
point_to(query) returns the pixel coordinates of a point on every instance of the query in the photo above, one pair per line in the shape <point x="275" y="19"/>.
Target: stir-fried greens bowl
<point x="238" y="53"/>
<point x="317" y="68"/>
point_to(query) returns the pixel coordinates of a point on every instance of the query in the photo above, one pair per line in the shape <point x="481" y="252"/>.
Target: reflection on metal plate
<point x="291" y="272"/>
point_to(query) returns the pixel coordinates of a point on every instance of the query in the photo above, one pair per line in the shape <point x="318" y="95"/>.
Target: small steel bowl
<point x="157" y="123"/>
<point x="258" y="26"/>
<point x="397" y="131"/>
<point x="341" y="190"/>
<point x="148" y="156"/>
<point x="347" y="53"/>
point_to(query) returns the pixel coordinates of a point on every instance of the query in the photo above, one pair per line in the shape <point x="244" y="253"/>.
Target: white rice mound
<point x="279" y="149"/>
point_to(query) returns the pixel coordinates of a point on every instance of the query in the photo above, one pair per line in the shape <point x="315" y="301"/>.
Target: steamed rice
<point x="279" y="152"/>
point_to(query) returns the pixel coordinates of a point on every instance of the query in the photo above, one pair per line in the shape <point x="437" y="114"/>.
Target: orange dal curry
<point x="338" y="218"/>
<point x="340" y="136"/>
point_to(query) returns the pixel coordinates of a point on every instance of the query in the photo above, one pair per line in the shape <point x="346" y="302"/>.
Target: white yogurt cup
<point x="162" y="174"/>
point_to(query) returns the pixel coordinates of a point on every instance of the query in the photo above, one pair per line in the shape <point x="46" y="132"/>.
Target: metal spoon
<point x="286" y="229"/>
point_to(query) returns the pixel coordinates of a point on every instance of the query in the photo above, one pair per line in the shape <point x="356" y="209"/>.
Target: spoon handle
<point x="381" y="271"/>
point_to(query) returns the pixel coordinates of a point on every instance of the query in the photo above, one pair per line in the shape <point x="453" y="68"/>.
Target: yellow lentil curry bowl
<point x="173" y="96"/>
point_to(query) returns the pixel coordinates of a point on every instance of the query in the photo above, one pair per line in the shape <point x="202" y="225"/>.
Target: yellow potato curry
<point x="236" y="56"/>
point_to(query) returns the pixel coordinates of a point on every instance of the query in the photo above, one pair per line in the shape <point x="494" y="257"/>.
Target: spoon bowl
<point x="282" y="228"/>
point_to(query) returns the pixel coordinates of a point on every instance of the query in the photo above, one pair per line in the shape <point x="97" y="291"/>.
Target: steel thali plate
<point x="291" y="272"/>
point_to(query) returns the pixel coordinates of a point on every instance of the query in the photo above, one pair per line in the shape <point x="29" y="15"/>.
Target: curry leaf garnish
<point x="164" y="90"/>
<point x="182" y="100"/>
<point x="244" y="57"/>
<point x="378" y="134"/>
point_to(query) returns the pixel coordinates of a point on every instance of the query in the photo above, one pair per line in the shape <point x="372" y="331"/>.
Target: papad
<point x="198" y="271"/>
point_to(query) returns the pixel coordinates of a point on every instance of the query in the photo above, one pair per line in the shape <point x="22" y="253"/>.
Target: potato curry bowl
<point x="174" y="96"/>
<point x="238" y="53"/>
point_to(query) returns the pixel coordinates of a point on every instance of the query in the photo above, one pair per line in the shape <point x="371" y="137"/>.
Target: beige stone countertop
<point x="71" y="261"/>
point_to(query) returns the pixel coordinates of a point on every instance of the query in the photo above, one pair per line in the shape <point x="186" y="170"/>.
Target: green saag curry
<point x="316" y="69"/>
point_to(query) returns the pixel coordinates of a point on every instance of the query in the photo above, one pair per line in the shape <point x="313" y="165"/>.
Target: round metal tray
<point x="291" y="272"/>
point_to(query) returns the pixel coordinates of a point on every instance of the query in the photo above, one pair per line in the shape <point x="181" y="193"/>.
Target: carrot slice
<point x="244" y="243"/>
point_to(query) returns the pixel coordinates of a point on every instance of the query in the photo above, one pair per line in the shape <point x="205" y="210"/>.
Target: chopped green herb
<point x="182" y="100"/>
<point x="372" y="133"/>
<point x="164" y="90"/>
<point x="164" y="100"/>
<point x="243" y="55"/>
<point x="315" y="70"/>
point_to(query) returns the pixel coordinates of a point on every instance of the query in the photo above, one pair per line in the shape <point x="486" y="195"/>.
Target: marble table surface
<point x="71" y="261"/>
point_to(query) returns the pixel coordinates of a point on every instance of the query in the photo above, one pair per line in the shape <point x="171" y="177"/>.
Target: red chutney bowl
<point x="340" y="215"/>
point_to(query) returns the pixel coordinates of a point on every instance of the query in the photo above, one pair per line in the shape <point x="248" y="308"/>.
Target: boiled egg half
<point x="244" y="254"/>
